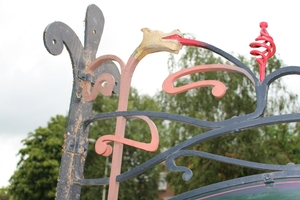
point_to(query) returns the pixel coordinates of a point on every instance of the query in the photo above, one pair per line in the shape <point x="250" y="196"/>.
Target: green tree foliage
<point x="4" y="193"/>
<point x="269" y="144"/>
<point x="38" y="168"/>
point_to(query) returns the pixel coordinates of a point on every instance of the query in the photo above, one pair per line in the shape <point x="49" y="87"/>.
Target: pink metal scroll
<point x="106" y="89"/>
<point x="103" y="148"/>
<point x="219" y="89"/>
<point x="267" y="44"/>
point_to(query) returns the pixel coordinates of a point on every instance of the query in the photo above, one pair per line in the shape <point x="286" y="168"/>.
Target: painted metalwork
<point x="101" y="75"/>
<point x="269" y="46"/>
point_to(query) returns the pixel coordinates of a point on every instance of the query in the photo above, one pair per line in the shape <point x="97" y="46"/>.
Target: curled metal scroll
<point x="187" y="173"/>
<point x="219" y="88"/>
<point x="58" y="34"/>
<point x="102" y="146"/>
<point x="108" y="82"/>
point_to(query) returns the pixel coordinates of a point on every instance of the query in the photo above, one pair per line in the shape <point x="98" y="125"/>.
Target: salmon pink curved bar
<point x="219" y="89"/>
<point x="106" y="90"/>
<point x="102" y="147"/>
<point x="89" y="93"/>
<point x="100" y="60"/>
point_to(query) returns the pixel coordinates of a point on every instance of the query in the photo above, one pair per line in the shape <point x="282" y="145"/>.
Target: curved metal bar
<point x="159" y="115"/>
<point x="58" y="34"/>
<point x="169" y="116"/>
<point x="187" y="173"/>
<point x="262" y="89"/>
<point x="228" y="57"/>
<point x="196" y="43"/>
<point x="188" y="120"/>
<point x="108" y="73"/>
<point x="205" y="137"/>
<point x="93" y="30"/>
<point x="96" y="181"/>
<point x="219" y="88"/>
<point x="102" y="147"/>
<point x="284" y="71"/>
<point x="100" y="60"/>
<point x="182" y="119"/>
<point x="258" y="178"/>
<point x="105" y="90"/>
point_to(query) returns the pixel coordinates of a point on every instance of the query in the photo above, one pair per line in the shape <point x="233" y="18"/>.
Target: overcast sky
<point x="36" y="85"/>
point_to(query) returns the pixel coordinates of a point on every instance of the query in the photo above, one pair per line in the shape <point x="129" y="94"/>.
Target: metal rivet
<point x="72" y="144"/>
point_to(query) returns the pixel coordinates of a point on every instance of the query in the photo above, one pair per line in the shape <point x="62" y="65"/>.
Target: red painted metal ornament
<point x="269" y="51"/>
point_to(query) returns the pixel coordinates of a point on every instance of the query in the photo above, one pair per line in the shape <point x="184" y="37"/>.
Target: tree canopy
<point x="38" y="168"/>
<point x="4" y="193"/>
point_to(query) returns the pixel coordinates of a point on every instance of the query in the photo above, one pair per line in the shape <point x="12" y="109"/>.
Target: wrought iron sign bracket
<point x="89" y="74"/>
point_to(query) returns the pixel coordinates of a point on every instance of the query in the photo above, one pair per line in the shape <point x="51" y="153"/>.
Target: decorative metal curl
<point x="187" y="173"/>
<point x="107" y="82"/>
<point x="268" y="44"/>
<point x="102" y="147"/>
<point x="219" y="89"/>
